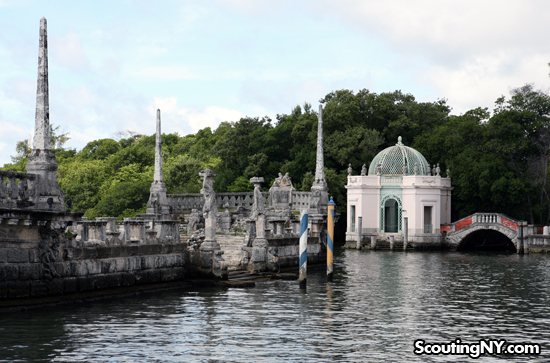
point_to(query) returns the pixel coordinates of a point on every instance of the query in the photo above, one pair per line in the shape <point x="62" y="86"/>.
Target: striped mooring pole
<point x="303" y="248"/>
<point x="330" y="239"/>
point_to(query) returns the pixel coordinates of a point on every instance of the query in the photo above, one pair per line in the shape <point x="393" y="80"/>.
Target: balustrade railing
<point x="186" y="202"/>
<point x="486" y="218"/>
<point x="18" y="190"/>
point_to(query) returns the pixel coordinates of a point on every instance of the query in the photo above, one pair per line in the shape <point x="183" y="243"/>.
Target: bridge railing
<point x="481" y="218"/>
<point x="18" y="190"/>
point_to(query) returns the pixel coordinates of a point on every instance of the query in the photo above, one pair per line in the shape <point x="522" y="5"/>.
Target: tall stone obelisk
<point x="319" y="193"/>
<point x="158" y="202"/>
<point x="42" y="160"/>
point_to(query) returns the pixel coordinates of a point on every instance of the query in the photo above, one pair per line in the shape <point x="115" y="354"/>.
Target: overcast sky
<point x="113" y="63"/>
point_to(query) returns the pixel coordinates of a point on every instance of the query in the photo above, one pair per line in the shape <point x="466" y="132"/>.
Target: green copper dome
<point x="393" y="158"/>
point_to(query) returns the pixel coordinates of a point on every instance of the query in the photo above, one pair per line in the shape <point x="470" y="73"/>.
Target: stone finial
<point x="350" y="170"/>
<point x="399" y="141"/>
<point x="433" y="170"/>
<point x="405" y="170"/>
<point x="429" y="170"/>
<point x="415" y="168"/>
<point x="448" y="173"/>
<point x="437" y="170"/>
<point x="379" y="169"/>
<point x="364" y="170"/>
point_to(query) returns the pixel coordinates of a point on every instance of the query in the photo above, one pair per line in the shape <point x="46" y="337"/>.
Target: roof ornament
<point x="399" y="141"/>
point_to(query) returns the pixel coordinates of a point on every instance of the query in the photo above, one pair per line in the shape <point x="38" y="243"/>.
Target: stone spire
<point x="319" y="194"/>
<point x="42" y="161"/>
<point x="158" y="202"/>
<point x="320" y="162"/>
<point x="42" y="119"/>
<point x="158" y="152"/>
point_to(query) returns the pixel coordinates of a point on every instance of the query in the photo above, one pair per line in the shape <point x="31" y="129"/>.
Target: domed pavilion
<point x="400" y="184"/>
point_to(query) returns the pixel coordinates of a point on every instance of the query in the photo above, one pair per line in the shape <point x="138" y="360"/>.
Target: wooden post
<point x="303" y="249"/>
<point x="330" y="238"/>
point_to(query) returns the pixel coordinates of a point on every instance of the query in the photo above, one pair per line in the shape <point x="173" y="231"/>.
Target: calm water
<point x="377" y="305"/>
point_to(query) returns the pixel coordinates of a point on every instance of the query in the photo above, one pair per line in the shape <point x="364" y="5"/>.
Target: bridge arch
<point x="465" y="232"/>
<point x="487" y="239"/>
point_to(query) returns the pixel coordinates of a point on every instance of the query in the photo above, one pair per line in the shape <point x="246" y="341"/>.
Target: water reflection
<point x="378" y="304"/>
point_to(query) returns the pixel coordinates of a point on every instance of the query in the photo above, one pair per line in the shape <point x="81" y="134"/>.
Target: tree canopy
<point x="498" y="159"/>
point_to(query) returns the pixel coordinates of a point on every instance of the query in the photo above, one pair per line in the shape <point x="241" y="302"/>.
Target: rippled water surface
<point x="377" y="306"/>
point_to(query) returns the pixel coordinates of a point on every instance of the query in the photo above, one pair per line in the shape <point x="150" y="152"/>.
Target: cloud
<point x="184" y="120"/>
<point x="478" y="82"/>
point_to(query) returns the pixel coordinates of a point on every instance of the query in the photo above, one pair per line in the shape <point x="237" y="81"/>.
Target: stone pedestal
<point x="210" y="243"/>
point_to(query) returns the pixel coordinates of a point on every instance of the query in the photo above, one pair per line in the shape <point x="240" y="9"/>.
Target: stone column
<point x="373" y="242"/>
<point x="42" y="160"/>
<point x="259" y="244"/>
<point x="158" y="202"/>
<point x="359" y="231"/>
<point x="405" y="232"/>
<point x="319" y="191"/>
<point x="392" y="242"/>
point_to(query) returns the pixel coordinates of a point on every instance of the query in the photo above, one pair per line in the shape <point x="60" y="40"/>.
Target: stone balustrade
<point x="18" y="190"/>
<point x="180" y="203"/>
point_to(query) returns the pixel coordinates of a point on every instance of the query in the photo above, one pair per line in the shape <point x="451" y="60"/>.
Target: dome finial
<point x="399" y="140"/>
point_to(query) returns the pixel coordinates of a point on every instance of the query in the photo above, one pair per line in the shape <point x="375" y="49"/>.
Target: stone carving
<point x="158" y="202"/>
<point x="209" y="210"/>
<point x="448" y="173"/>
<point x="433" y="170"/>
<point x="405" y="169"/>
<point x="379" y="169"/>
<point x="258" y="213"/>
<point x="350" y="170"/>
<point x="42" y="160"/>
<point x="48" y="250"/>
<point x="280" y="193"/>
<point x="437" y="170"/>
<point x="415" y="168"/>
<point x="428" y="170"/>
<point x="364" y="170"/>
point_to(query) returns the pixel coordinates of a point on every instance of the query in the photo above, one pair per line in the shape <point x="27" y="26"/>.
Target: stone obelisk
<point x="42" y="160"/>
<point x="158" y="203"/>
<point x="319" y="193"/>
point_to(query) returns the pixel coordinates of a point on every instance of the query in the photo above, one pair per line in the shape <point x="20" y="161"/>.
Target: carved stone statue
<point x="437" y="170"/>
<point x="350" y="170"/>
<point x="405" y="170"/>
<point x="448" y="173"/>
<point x="364" y="170"/>
<point x="379" y="169"/>
<point x="429" y="170"/>
<point x="415" y="168"/>
<point x="209" y="210"/>
<point x="433" y="170"/>
<point x="280" y="193"/>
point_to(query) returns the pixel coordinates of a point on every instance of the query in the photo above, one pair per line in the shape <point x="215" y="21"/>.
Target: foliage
<point x="498" y="160"/>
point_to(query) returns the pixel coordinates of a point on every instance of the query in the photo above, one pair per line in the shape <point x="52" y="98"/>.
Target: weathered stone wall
<point x="35" y="272"/>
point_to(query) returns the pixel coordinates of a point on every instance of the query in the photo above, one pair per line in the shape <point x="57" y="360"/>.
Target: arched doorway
<point x="486" y="240"/>
<point x="391" y="212"/>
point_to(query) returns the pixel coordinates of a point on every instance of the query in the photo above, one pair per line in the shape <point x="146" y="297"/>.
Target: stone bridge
<point x="460" y="230"/>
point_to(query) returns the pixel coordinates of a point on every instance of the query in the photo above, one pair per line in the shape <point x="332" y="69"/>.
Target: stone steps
<point x="231" y="247"/>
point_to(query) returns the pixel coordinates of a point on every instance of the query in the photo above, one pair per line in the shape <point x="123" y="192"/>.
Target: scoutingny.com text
<point x="477" y="349"/>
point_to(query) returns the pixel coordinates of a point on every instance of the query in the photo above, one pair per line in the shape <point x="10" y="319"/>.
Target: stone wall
<point x="36" y="272"/>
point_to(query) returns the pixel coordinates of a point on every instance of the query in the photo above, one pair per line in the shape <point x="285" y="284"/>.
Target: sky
<point x="113" y="63"/>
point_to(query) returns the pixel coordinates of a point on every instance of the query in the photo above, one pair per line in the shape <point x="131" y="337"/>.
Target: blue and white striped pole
<point x="303" y="248"/>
